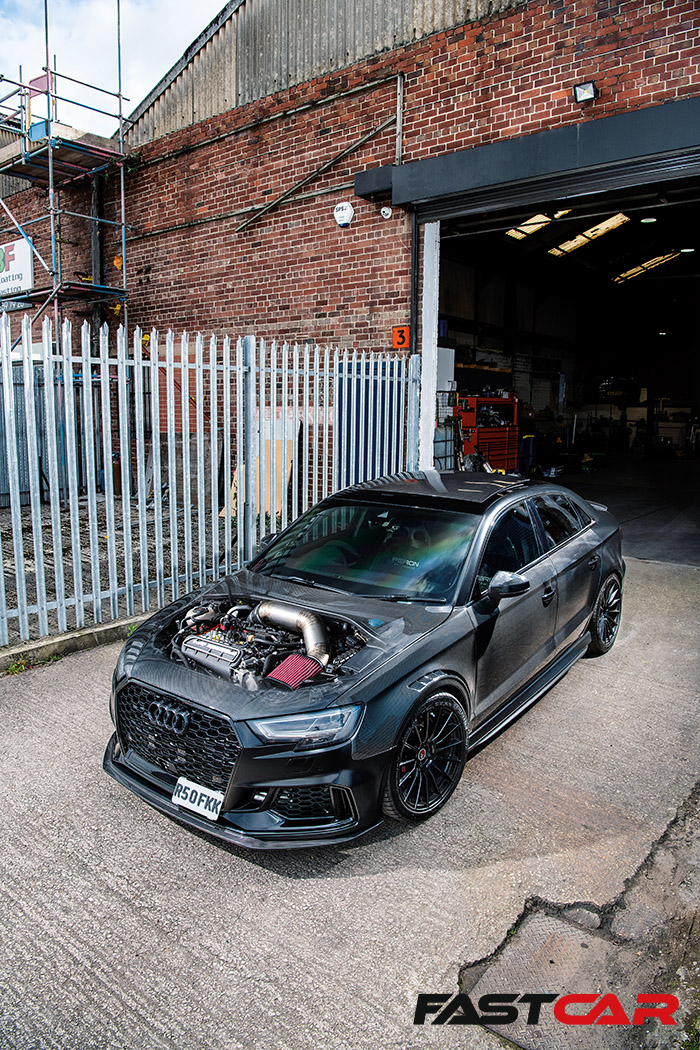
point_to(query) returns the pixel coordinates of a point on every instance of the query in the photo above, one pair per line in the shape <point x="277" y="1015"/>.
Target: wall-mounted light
<point x="585" y="92"/>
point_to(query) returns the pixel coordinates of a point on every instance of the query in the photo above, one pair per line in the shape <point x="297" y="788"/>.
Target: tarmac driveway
<point x="121" y="929"/>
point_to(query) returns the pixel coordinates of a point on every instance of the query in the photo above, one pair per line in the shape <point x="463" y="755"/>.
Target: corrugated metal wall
<point x="206" y="86"/>
<point x="265" y="46"/>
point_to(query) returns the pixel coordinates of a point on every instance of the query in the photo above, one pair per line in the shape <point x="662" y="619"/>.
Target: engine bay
<point x="265" y="643"/>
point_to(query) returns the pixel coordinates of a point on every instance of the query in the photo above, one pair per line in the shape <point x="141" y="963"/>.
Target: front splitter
<point x="304" y="840"/>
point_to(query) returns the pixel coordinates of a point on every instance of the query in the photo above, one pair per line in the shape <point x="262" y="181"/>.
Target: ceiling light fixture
<point x="685" y="251"/>
<point x="590" y="235"/>
<point x="528" y="227"/>
<point x="532" y="225"/>
<point x="649" y="218"/>
<point x="650" y="264"/>
<point x="585" y="92"/>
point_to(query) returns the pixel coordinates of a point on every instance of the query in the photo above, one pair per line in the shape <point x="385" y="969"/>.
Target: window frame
<point x="476" y="594"/>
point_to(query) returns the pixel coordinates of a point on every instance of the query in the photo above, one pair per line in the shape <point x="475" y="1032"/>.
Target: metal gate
<point x="136" y="471"/>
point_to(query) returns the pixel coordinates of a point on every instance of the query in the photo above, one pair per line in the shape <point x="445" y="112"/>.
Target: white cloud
<point x="83" y="37"/>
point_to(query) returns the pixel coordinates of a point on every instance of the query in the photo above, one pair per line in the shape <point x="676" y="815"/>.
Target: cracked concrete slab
<point x="644" y="941"/>
<point x="548" y="954"/>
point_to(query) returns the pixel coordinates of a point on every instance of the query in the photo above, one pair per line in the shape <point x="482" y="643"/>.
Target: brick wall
<point x="294" y="273"/>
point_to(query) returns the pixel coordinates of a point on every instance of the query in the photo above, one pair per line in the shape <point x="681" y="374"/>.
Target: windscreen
<point x="394" y="552"/>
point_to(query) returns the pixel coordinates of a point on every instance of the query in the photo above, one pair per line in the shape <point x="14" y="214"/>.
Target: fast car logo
<point x="578" y="1009"/>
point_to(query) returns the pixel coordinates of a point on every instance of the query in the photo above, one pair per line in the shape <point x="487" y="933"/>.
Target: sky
<point x="83" y="37"/>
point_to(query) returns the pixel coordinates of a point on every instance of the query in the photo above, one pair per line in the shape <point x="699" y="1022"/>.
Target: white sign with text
<point x="16" y="267"/>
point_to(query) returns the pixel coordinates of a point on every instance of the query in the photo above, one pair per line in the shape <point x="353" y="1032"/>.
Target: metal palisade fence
<point x="134" y="471"/>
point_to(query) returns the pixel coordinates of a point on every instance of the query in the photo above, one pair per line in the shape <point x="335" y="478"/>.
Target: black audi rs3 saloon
<point x="346" y="673"/>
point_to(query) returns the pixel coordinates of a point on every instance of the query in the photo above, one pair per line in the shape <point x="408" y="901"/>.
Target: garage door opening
<point x="573" y="327"/>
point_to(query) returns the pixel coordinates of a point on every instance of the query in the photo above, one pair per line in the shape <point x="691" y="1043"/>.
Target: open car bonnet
<point x="253" y="646"/>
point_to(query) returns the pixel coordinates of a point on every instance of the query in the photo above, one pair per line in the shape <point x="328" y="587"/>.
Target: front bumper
<point x="281" y="801"/>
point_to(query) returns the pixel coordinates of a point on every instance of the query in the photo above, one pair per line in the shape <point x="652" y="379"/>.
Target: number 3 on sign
<point x="400" y="337"/>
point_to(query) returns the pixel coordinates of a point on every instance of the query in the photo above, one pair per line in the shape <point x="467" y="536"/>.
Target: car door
<point x="573" y="551"/>
<point x="514" y="639"/>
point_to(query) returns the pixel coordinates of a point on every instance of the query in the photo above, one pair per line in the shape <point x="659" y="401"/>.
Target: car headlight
<point x="317" y="729"/>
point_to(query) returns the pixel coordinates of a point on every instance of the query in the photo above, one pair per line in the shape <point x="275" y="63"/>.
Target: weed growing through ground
<point x="18" y="666"/>
<point x="23" y="664"/>
<point x="693" y="1033"/>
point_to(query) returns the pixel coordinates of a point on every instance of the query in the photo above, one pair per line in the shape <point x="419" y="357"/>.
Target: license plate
<point x="199" y="799"/>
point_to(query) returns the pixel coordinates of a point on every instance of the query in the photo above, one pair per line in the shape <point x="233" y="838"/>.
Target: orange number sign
<point x="401" y="337"/>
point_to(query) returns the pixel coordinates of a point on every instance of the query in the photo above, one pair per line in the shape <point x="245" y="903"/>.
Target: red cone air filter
<point x="295" y="669"/>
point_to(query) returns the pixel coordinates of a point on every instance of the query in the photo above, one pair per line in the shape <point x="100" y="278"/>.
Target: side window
<point x="559" y="519"/>
<point x="511" y="546"/>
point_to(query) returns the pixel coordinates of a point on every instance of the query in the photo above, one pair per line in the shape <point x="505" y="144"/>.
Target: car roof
<point x="462" y="490"/>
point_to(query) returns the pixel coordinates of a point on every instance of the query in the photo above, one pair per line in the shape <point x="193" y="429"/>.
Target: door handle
<point x="593" y="561"/>
<point x="547" y="594"/>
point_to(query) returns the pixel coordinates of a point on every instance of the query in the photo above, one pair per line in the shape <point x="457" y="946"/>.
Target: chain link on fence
<point x="130" y="474"/>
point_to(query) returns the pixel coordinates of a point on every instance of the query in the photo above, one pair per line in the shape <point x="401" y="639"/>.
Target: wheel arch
<point x="438" y="680"/>
<point x="386" y="714"/>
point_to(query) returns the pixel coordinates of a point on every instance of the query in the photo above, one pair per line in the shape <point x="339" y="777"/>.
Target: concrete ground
<point x="656" y="501"/>
<point x="567" y="861"/>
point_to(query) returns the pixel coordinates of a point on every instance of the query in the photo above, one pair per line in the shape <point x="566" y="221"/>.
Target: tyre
<point x="605" y="620"/>
<point x="429" y="758"/>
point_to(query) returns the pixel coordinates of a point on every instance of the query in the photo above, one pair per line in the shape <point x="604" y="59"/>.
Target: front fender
<point x="386" y="714"/>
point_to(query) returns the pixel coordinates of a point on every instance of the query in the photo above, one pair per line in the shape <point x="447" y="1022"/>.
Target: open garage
<point x="585" y="310"/>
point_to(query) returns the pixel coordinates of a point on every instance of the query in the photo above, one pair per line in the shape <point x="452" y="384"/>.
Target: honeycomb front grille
<point x="204" y="751"/>
<point x="304" y="802"/>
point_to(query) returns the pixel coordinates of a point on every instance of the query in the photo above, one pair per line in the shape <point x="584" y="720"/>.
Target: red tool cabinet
<point x="491" y="425"/>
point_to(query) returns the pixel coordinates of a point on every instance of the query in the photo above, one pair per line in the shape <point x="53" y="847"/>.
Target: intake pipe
<point x="302" y="622"/>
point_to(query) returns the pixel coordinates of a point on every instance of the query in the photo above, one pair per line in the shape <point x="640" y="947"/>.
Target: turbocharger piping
<point x="301" y="621"/>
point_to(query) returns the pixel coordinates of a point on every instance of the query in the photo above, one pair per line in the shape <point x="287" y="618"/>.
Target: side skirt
<point x="527" y="696"/>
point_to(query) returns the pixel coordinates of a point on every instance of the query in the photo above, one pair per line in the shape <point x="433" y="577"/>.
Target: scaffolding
<point x="38" y="149"/>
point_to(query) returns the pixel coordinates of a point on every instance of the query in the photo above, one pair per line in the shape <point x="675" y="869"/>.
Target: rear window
<point x="583" y="515"/>
<point x="559" y="516"/>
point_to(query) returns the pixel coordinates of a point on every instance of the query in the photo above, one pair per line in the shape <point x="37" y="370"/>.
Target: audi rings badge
<point x="169" y="717"/>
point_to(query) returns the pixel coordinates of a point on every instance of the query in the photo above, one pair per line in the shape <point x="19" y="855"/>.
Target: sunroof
<point x="590" y="235"/>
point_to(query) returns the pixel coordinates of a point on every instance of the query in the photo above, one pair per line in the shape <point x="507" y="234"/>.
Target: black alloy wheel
<point x="605" y="620"/>
<point x="429" y="759"/>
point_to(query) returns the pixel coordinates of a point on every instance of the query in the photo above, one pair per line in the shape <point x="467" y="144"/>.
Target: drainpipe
<point x="415" y="251"/>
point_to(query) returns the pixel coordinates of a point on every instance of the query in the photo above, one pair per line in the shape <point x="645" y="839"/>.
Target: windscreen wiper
<point x="304" y="582"/>
<point x="402" y="598"/>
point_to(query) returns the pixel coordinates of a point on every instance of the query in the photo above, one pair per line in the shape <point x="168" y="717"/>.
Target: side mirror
<point x="507" y="585"/>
